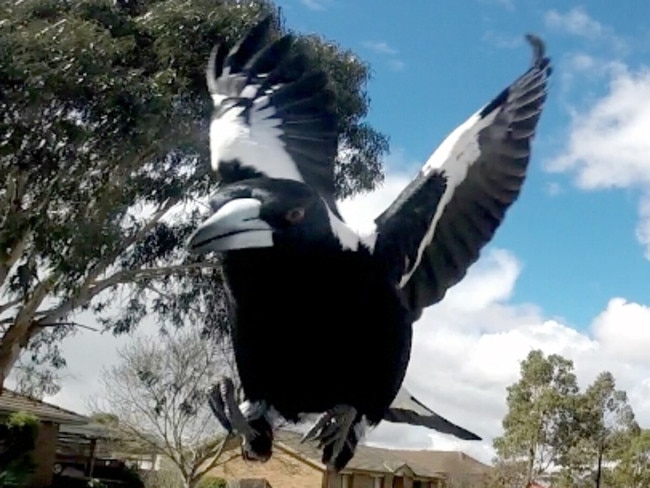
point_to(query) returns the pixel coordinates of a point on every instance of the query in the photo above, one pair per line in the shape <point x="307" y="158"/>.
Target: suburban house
<point x="52" y="419"/>
<point x="65" y="435"/>
<point x="70" y="445"/>
<point x="298" y="465"/>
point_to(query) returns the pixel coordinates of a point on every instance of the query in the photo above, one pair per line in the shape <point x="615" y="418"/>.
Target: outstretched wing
<point x="406" y="409"/>
<point x="435" y="229"/>
<point x="272" y="114"/>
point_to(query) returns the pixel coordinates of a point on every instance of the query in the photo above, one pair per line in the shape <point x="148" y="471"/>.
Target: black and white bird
<point x="322" y="314"/>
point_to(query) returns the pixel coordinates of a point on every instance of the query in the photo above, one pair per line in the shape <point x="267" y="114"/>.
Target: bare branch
<point x="216" y="457"/>
<point x="11" y="303"/>
<point x="71" y="324"/>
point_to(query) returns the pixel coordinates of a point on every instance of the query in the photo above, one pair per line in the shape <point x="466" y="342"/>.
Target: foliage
<point x="506" y="473"/>
<point x="104" y="161"/>
<point x="539" y="424"/>
<point x="36" y="380"/>
<point x="212" y="482"/>
<point x="606" y="423"/>
<point x="157" y="395"/>
<point x="17" y="440"/>
<point x="633" y="467"/>
<point x="589" y="438"/>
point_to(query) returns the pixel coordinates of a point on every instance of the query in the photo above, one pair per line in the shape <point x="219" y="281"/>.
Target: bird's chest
<point x="285" y="295"/>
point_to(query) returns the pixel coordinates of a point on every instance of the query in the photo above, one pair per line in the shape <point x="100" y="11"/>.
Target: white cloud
<point x="466" y="349"/>
<point x="624" y="330"/>
<point x="380" y="47"/>
<point x="608" y="144"/>
<point x="318" y="5"/>
<point x="575" y="21"/>
<point x="503" y="41"/>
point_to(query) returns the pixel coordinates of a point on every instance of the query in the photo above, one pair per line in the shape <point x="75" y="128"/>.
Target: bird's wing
<point x="406" y="409"/>
<point x="435" y="229"/>
<point x="272" y="115"/>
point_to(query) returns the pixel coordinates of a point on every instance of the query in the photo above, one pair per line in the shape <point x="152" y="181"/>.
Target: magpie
<point x="322" y="314"/>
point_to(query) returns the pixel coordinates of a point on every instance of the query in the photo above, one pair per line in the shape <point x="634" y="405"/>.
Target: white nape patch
<point x="257" y="146"/>
<point x="348" y="238"/>
<point x="454" y="156"/>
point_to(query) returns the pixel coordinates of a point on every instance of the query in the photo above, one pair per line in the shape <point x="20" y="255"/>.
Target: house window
<point x="377" y="482"/>
<point x="418" y="484"/>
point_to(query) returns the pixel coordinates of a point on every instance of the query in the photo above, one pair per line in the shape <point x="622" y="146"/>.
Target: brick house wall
<point x="281" y="471"/>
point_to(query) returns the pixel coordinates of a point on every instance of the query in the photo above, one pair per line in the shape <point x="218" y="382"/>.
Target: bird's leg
<point x="335" y="433"/>
<point x="252" y="425"/>
<point x="224" y="406"/>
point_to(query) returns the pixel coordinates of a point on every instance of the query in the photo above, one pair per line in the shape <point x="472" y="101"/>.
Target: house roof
<point x="11" y="401"/>
<point x="422" y="463"/>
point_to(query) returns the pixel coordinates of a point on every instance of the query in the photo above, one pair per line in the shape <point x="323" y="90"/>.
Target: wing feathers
<point x="273" y="114"/>
<point x="245" y="49"/>
<point x="485" y="161"/>
<point x="406" y="409"/>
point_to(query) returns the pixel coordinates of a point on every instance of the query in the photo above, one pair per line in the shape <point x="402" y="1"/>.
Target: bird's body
<point x="322" y="315"/>
<point x="305" y="344"/>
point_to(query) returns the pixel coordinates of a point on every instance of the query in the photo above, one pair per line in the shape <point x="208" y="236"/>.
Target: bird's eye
<point x="295" y="215"/>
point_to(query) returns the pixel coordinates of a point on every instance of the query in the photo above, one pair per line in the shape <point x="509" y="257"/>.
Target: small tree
<point x="607" y="422"/>
<point x="539" y="425"/>
<point x="157" y="394"/>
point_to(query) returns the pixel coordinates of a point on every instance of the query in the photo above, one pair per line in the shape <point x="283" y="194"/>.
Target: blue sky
<point x="434" y="63"/>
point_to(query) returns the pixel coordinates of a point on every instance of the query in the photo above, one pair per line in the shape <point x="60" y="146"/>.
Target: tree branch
<point x="19" y="243"/>
<point x="72" y="324"/>
<point x="120" y="277"/>
<point x="11" y="303"/>
<point x="23" y="328"/>
<point x="17" y="249"/>
<point x="216" y="457"/>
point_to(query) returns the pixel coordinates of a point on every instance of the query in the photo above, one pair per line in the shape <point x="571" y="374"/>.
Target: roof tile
<point x="11" y="401"/>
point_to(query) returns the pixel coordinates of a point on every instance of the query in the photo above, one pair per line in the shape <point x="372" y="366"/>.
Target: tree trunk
<point x="14" y="340"/>
<point x="600" y="465"/>
<point x="531" y="464"/>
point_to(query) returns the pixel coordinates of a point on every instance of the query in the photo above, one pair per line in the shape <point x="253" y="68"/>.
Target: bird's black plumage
<point x="323" y="316"/>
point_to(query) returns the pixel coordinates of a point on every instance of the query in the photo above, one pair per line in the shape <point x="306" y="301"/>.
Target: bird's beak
<point x="235" y="225"/>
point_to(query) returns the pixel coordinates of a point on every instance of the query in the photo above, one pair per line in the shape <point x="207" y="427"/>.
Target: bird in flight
<point x="323" y="315"/>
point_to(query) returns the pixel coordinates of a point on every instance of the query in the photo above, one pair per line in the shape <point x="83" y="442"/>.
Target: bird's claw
<point x="333" y="428"/>
<point x="224" y="406"/>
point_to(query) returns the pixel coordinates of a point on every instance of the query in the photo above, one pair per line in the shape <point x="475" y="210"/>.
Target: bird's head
<point x="264" y="213"/>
